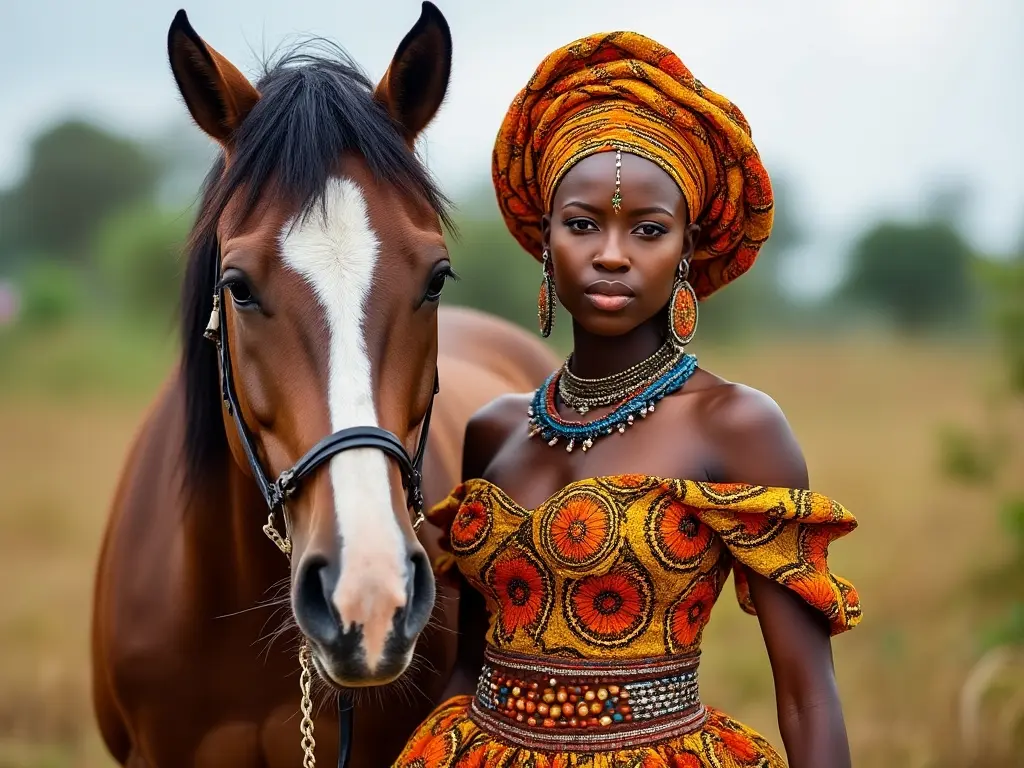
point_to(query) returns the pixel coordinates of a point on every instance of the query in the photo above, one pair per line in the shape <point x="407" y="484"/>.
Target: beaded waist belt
<point x="574" y="705"/>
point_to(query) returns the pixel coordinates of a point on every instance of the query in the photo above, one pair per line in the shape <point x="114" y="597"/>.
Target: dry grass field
<point x="867" y="414"/>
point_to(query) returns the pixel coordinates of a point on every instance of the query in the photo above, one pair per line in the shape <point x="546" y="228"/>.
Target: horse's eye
<point x="240" y="293"/>
<point x="437" y="281"/>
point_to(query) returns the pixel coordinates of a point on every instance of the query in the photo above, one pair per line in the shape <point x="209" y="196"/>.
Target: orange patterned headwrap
<point x="623" y="90"/>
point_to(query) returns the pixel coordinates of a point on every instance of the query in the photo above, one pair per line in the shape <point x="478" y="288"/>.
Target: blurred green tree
<point x="138" y="257"/>
<point x="917" y="275"/>
<point x="52" y="293"/>
<point x="77" y="175"/>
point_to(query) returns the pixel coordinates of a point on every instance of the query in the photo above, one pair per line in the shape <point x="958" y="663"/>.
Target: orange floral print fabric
<point x="635" y="563"/>
<point x="623" y="90"/>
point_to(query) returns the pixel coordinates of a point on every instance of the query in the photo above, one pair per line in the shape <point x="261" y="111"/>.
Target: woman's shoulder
<point x="490" y="427"/>
<point x="738" y="407"/>
<point x="500" y="416"/>
<point x="750" y="434"/>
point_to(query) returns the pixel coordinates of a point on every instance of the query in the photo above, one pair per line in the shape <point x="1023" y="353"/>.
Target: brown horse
<point x="320" y="235"/>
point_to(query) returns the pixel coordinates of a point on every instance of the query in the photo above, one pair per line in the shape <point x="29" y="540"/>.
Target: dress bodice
<point x="629" y="566"/>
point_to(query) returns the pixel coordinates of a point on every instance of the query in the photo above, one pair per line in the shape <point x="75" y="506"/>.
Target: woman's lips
<point x="608" y="303"/>
<point x="609" y="296"/>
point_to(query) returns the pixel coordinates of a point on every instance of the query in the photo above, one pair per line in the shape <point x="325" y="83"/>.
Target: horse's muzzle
<point x="373" y="645"/>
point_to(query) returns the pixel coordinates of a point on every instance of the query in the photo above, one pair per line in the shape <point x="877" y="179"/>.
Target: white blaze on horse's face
<point x="337" y="256"/>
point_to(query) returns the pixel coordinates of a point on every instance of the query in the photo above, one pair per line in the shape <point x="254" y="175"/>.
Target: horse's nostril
<point x="421" y="594"/>
<point x="314" y="610"/>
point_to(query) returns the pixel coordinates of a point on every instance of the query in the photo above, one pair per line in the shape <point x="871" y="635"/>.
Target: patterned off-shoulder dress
<point x="597" y="600"/>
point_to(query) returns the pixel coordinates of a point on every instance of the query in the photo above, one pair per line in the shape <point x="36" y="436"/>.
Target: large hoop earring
<point x="682" y="308"/>
<point x="546" y="297"/>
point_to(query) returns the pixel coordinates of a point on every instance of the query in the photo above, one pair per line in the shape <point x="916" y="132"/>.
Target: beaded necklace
<point x="584" y="395"/>
<point x="545" y="422"/>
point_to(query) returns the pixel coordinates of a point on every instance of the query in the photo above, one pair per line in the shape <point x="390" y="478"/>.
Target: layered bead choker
<point x="632" y="392"/>
<point x="583" y="395"/>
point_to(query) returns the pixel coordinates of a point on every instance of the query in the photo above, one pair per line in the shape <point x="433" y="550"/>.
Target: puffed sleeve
<point x="442" y="515"/>
<point x="784" y="535"/>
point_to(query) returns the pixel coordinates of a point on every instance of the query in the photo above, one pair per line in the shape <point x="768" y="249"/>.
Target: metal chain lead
<point x="283" y="542"/>
<point x="306" y="726"/>
<point x="308" y="743"/>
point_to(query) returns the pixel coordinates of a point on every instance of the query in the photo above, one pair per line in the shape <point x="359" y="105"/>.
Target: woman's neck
<point x="594" y="357"/>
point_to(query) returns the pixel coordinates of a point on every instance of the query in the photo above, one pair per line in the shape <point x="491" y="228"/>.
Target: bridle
<point x="276" y="492"/>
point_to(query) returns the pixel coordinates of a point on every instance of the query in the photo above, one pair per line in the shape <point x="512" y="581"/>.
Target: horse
<point x="312" y="347"/>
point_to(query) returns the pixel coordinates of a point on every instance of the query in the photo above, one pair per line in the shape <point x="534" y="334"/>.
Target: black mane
<point x="313" y="107"/>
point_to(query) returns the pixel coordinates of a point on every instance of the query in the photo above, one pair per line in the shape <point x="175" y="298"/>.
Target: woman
<point x="640" y="191"/>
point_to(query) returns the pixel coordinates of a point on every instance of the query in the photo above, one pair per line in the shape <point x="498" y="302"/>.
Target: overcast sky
<point x="864" y="104"/>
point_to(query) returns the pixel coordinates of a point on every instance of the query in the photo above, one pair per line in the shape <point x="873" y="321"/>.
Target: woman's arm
<point x="485" y="433"/>
<point x="756" y="445"/>
<point x="806" y="695"/>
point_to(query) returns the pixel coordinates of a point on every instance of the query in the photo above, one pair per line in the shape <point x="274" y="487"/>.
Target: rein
<point x="276" y="492"/>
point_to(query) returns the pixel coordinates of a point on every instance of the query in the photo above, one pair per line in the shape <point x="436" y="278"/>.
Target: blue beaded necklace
<point x="552" y="428"/>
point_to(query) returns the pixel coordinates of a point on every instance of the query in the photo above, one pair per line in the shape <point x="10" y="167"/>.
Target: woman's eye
<point x="581" y="225"/>
<point x="650" y="230"/>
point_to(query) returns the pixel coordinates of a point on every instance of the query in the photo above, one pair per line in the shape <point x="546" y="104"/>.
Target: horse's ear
<point x="215" y="92"/>
<point x="416" y="81"/>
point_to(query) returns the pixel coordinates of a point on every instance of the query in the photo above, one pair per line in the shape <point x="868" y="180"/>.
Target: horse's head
<point x="324" y="232"/>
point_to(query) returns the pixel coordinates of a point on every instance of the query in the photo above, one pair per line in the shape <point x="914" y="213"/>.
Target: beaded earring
<point x="682" y="312"/>
<point x="546" y="297"/>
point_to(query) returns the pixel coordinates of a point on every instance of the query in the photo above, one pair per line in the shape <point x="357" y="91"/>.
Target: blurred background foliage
<point x="94" y="229"/>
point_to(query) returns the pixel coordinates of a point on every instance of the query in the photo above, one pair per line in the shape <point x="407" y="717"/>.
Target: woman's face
<point x="614" y="271"/>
